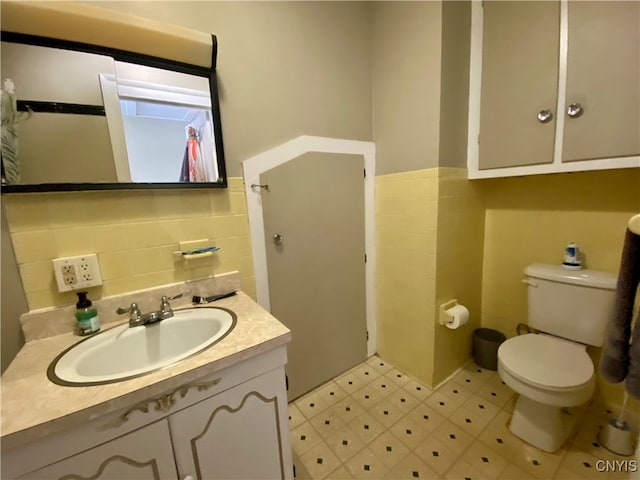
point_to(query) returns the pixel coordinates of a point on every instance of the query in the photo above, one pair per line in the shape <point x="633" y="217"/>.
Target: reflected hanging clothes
<point x="197" y="172"/>
<point x="10" y="118"/>
<point x="184" y="169"/>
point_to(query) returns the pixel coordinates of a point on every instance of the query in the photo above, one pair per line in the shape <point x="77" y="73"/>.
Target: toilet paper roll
<point x="459" y="315"/>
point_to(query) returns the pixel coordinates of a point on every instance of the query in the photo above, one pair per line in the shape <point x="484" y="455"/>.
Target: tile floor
<point x="376" y="422"/>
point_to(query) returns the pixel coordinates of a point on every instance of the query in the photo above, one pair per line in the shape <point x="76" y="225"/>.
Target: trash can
<point x="485" y="347"/>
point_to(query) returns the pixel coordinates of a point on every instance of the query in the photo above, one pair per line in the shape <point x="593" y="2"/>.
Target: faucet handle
<point x="164" y="302"/>
<point x="133" y="311"/>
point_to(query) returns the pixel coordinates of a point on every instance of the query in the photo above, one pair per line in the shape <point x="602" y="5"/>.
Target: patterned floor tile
<point x="417" y="389"/>
<point x="470" y="378"/>
<point x="458" y="393"/>
<point x="345" y="443"/>
<point x="514" y="473"/>
<point x="311" y="404"/>
<point x="376" y="422"/>
<point x="366" y="427"/>
<point x="425" y="417"/>
<point x="366" y="464"/>
<point x="397" y="377"/>
<point x="327" y="423"/>
<point x="304" y="437"/>
<point x="412" y="468"/>
<point x="379" y="365"/>
<point x="389" y="449"/>
<point x="463" y="470"/>
<point x="583" y="464"/>
<point x="347" y="409"/>
<point x="386" y="414"/>
<point x="295" y="416"/>
<point x="369" y="395"/>
<point x="537" y="463"/>
<point x="443" y="404"/>
<point x="496" y="392"/>
<point x="435" y="455"/>
<point x="484" y="460"/>
<point x="470" y="420"/>
<point x="331" y="393"/>
<point x="409" y="431"/>
<point x="453" y="437"/>
<point x="319" y="461"/>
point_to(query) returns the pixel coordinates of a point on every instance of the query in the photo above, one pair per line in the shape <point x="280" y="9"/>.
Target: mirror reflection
<point x="71" y="117"/>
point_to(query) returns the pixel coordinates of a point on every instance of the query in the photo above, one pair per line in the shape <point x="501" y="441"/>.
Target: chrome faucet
<point x="136" y="318"/>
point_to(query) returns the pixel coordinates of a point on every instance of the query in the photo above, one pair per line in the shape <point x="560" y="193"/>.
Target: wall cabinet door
<point x="554" y="87"/>
<point x="144" y="454"/>
<point x="603" y="77"/>
<point x="238" y="434"/>
<point x="519" y="80"/>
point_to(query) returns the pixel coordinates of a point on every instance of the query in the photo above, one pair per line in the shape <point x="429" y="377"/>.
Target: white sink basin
<point x="121" y="353"/>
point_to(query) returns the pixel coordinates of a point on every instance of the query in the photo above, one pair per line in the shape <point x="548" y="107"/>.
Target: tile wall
<point x="531" y="219"/>
<point x="406" y="221"/>
<point x="134" y="234"/>
<point x="460" y="240"/>
<point x="430" y="233"/>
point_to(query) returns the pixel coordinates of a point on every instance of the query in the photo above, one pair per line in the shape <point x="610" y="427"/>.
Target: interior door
<point x="314" y="228"/>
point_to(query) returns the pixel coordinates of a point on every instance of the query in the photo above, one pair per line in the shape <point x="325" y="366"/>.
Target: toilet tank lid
<point x="585" y="278"/>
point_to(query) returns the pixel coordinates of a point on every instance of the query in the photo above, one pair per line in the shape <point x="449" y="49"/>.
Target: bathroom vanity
<point x="221" y="413"/>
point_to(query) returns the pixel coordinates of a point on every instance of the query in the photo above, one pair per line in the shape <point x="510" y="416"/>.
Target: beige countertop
<point x="33" y="406"/>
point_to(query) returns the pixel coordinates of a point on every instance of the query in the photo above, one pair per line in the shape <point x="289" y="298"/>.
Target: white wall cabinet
<point x="554" y="87"/>
<point x="230" y="425"/>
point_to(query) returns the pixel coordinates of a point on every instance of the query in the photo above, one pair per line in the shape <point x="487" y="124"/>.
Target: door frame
<point x="269" y="159"/>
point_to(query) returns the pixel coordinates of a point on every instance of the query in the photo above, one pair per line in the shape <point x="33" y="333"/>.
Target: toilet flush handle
<point x="531" y="283"/>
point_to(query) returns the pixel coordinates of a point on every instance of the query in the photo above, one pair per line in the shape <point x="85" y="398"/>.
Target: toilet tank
<point x="572" y="304"/>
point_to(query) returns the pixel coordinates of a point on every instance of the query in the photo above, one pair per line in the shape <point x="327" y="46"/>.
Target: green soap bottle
<point x="87" y="317"/>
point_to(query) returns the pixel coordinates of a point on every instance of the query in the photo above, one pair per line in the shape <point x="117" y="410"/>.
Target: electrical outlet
<point x="75" y="273"/>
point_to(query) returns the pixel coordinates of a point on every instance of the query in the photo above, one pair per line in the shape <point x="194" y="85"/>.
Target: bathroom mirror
<point x="94" y="118"/>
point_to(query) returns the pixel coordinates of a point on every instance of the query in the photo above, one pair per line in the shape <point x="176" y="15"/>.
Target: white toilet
<point x="551" y="370"/>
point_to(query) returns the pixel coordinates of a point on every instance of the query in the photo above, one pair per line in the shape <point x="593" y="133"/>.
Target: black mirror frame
<point x="140" y="59"/>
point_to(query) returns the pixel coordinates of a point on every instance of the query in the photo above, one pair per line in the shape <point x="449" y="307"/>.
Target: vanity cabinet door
<point x="241" y="433"/>
<point x="144" y="454"/>
<point x="519" y="81"/>
<point x="603" y="76"/>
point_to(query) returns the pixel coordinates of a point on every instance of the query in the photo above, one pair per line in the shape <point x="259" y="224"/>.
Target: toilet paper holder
<point x="443" y="317"/>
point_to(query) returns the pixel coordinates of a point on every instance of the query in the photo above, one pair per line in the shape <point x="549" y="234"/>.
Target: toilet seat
<point x="546" y="362"/>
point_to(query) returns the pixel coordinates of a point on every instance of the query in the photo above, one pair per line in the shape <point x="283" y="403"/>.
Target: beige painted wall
<point x="406" y="85"/>
<point x="284" y="68"/>
<point x="454" y="95"/>
<point x="531" y="219"/>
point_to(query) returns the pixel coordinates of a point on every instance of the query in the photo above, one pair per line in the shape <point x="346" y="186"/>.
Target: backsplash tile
<point x="134" y="234"/>
<point x="47" y="322"/>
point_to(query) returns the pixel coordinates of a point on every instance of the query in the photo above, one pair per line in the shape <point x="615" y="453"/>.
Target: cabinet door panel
<point x="603" y="75"/>
<point x="519" y="79"/>
<point x="235" y="435"/>
<point x="144" y="454"/>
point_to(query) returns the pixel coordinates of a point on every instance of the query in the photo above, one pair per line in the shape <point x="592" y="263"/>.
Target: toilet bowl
<point x="551" y="370"/>
<point x="550" y="374"/>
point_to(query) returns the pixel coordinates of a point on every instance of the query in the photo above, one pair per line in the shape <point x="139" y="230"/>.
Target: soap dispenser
<point x="87" y="317"/>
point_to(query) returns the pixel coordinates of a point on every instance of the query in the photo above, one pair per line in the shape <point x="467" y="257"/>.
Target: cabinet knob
<point x="278" y="239"/>
<point x="574" y="110"/>
<point x="545" y="116"/>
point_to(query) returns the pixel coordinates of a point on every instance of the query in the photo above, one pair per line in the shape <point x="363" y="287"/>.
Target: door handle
<point x="277" y="239"/>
